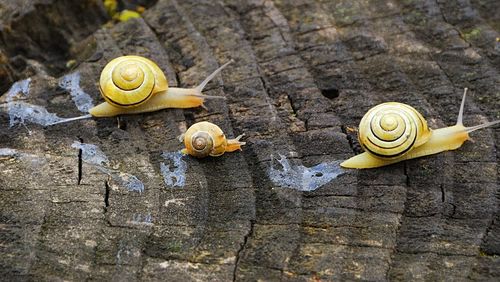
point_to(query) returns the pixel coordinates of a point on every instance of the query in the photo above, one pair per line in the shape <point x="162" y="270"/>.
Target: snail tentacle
<point x="475" y="127"/>
<point x="202" y="85"/>
<point x="479" y="126"/>
<point x="461" y="111"/>
<point x="235" y="144"/>
<point x="194" y="96"/>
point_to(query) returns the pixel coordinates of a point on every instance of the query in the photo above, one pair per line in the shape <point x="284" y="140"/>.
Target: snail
<point x="204" y="139"/>
<point x="392" y="132"/>
<point x="134" y="84"/>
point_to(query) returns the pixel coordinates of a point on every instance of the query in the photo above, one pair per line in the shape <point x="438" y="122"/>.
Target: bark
<point x="304" y="72"/>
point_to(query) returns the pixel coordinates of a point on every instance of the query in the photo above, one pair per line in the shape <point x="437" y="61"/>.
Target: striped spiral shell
<point x="204" y="139"/>
<point x="129" y="81"/>
<point x="391" y="130"/>
<point x="202" y="143"/>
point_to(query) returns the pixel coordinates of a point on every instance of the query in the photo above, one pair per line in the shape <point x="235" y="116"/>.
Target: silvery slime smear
<point x="33" y="160"/>
<point x="138" y="218"/>
<point x="177" y="175"/>
<point x="22" y="86"/>
<point x="131" y="182"/>
<point x="303" y="178"/>
<point x="71" y="82"/>
<point x="21" y="112"/>
<point x="91" y="154"/>
<point x="8" y="152"/>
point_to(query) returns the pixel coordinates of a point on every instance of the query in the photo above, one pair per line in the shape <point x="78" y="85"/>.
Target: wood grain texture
<point x="303" y="72"/>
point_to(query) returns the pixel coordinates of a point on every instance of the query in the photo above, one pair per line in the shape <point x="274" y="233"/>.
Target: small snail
<point x="134" y="84"/>
<point x="393" y="132"/>
<point x="204" y="139"/>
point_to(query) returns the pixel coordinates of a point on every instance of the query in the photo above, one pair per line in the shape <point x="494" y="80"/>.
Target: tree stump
<point x="304" y="72"/>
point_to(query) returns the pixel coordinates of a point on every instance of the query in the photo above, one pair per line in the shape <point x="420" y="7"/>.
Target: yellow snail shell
<point x="204" y="139"/>
<point x="390" y="130"/>
<point x="393" y="132"/>
<point x="128" y="81"/>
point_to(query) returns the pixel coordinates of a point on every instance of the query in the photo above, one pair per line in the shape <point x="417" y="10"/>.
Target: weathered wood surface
<point x="304" y="70"/>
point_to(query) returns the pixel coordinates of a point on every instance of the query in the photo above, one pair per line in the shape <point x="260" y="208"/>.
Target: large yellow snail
<point x="204" y="139"/>
<point x="134" y="84"/>
<point x="393" y="132"/>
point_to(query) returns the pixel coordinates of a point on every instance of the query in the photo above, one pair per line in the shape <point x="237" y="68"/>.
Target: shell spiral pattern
<point x="202" y="143"/>
<point x="129" y="81"/>
<point x="205" y="139"/>
<point x="391" y="130"/>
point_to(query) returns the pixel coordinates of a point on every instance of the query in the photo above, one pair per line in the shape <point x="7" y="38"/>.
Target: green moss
<point x="472" y="34"/>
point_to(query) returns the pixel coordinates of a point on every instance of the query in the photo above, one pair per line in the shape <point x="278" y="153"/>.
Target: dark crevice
<point x="453" y="211"/>
<point x="330" y="93"/>
<point x="176" y="259"/>
<point x="484" y="248"/>
<point x="178" y="78"/>
<point x="435" y="253"/>
<point x="106" y="196"/>
<point x="264" y="83"/>
<point x="294" y="107"/>
<point x="422" y="216"/>
<point x="80" y="172"/>
<point x="238" y="253"/>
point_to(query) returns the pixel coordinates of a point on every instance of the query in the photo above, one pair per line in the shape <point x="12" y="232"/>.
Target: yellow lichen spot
<point x="111" y="6"/>
<point x="70" y="64"/>
<point x="140" y="9"/>
<point x="126" y="15"/>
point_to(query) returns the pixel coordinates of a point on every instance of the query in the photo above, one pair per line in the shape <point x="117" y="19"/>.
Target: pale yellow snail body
<point x="393" y="132"/>
<point x="204" y="139"/>
<point x="134" y="84"/>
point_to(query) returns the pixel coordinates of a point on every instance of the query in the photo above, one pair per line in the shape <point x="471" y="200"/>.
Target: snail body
<point x="134" y="84"/>
<point x="179" y="98"/>
<point x="393" y="132"/>
<point x="204" y="139"/>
